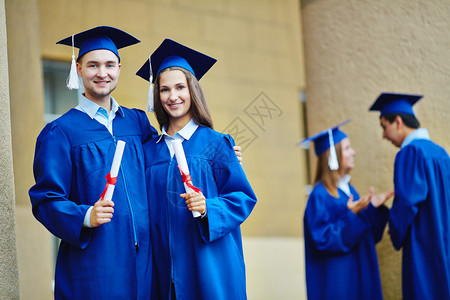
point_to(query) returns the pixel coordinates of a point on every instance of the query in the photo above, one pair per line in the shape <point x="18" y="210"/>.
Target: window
<point x="57" y="97"/>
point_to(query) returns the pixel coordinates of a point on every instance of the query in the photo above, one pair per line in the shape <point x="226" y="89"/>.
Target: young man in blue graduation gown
<point x="105" y="250"/>
<point x="194" y="258"/>
<point x="419" y="220"/>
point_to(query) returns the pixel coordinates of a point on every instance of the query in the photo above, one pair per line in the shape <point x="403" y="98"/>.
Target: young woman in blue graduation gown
<point x="341" y="230"/>
<point x="194" y="258"/>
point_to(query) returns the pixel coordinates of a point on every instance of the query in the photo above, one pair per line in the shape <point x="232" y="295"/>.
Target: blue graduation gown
<point x="73" y="155"/>
<point x="340" y="256"/>
<point x="202" y="257"/>
<point x="419" y="219"/>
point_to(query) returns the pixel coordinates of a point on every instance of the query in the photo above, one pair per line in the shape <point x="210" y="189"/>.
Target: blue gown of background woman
<point x="341" y="259"/>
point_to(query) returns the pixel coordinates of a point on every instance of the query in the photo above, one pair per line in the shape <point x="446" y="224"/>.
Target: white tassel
<point x="72" y="81"/>
<point x="332" y="159"/>
<point x="150" y="102"/>
<point x="150" y="105"/>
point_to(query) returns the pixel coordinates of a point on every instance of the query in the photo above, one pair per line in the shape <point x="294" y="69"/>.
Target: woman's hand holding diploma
<point x="195" y="202"/>
<point x="184" y="169"/>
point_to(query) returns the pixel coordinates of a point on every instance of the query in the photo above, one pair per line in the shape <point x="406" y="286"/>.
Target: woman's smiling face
<point x="174" y="94"/>
<point x="348" y="156"/>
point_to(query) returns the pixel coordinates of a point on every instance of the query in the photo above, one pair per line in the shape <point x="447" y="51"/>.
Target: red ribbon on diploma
<point x="187" y="179"/>
<point x="109" y="181"/>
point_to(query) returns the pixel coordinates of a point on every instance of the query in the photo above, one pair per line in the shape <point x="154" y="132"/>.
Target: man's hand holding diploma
<point x="103" y="209"/>
<point x="102" y="212"/>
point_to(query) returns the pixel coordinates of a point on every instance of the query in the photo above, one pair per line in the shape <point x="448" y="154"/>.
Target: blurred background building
<point x="286" y="69"/>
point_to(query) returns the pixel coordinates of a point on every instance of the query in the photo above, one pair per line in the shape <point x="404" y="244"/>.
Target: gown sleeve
<point x="50" y="195"/>
<point x="235" y="199"/>
<point x="332" y="226"/>
<point x="378" y="218"/>
<point x="411" y="190"/>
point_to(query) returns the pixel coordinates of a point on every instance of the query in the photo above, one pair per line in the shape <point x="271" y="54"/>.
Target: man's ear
<point x="79" y="69"/>
<point x="399" y="122"/>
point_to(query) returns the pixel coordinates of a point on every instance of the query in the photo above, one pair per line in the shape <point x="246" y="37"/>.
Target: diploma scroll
<point x="111" y="178"/>
<point x="184" y="169"/>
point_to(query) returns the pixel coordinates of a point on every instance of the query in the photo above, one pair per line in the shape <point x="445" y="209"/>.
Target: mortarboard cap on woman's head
<point x="325" y="140"/>
<point x="388" y="103"/>
<point x="322" y="139"/>
<point x="101" y="37"/>
<point x="173" y="54"/>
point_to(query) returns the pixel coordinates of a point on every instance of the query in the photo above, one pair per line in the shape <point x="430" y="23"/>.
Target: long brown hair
<point x="199" y="108"/>
<point x="329" y="178"/>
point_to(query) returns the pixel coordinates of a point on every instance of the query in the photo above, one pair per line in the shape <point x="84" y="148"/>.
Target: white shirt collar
<point x="184" y="134"/>
<point x="343" y="184"/>
<point x="420" y="133"/>
<point x="91" y="108"/>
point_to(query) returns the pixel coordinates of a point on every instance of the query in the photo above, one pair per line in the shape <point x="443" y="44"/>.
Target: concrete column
<point x="34" y="244"/>
<point x="9" y="274"/>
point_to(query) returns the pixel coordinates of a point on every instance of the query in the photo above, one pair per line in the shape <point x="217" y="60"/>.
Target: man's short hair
<point x="408" y="119"/>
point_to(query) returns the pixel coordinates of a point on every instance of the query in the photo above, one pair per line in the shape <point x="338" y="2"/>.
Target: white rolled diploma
<point x="115" y="168"/>
<point x="182" y="163"/>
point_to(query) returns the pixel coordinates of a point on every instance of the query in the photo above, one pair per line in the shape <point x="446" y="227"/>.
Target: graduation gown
<point x="419" y="219"/>
<point x="203" y="257"/>
<point x="73" y="155"/>
<point x="340" y="256"/>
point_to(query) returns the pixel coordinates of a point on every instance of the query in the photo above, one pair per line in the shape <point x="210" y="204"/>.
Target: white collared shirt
<point x="184" y="134"/>
<point x="95" y="111"/>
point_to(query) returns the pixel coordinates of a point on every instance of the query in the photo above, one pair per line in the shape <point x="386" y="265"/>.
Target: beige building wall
<point x="9" y="272"/>
<point x="354" y="50"/>
<point x="253" y="92"/>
